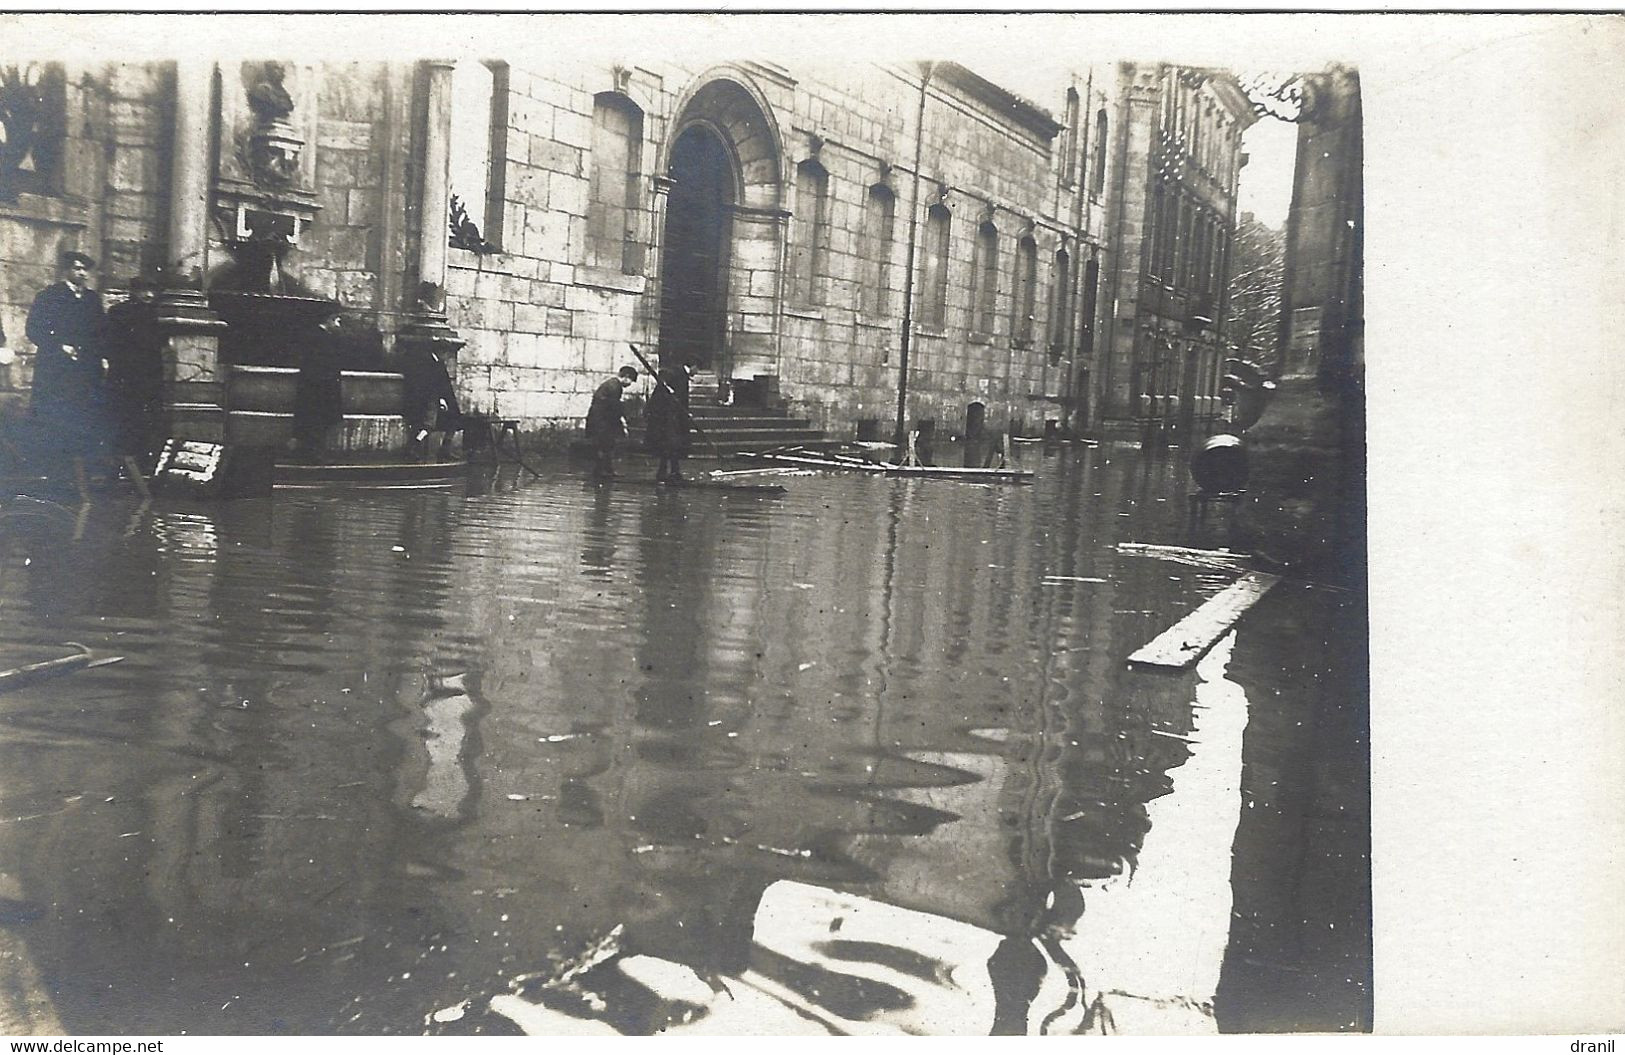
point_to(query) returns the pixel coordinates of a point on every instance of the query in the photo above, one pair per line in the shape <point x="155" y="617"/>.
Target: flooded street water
<point x="864" y="756"/>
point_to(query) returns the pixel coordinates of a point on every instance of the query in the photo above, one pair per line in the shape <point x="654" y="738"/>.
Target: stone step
<point x="747" y="424"/>
<point x="703" y="410"/>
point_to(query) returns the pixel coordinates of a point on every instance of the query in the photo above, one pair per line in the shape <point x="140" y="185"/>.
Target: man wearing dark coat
<point x="604" y="422"/>
<point x="66" y="324"/>
<point x="665" y="423"/>
<point x="135" y="370"/>
<point x="318" y="401"/>
<point x="431" y="403"/>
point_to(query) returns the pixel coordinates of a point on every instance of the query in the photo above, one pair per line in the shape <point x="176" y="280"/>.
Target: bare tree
<point x="1258" y="259"/>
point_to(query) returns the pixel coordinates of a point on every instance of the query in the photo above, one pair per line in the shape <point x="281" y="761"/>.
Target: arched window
<point x="614" y="206"/>
<point x="1026" y="290"/>
<point x="479" y="151"/>
<point x="1098" y="187"/>
<point x="1060" y="334"/>
<point x="810" y="234"/>
<point x="934" y="269"/>
<point x="879" y="221"/>
<point x="985" y="278"/>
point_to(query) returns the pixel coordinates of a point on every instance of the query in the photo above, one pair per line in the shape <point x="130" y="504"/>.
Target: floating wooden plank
<point x="1189" y="639"/>
<point x="17" y="677"/>
<point x="892" y="469"/>
<point x="783" y="470"/>
<point x="1213" y="559"/>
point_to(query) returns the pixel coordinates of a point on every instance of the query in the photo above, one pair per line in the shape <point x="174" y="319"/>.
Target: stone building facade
<point x="1179" y="159"/>
<point x="773" y="226"/>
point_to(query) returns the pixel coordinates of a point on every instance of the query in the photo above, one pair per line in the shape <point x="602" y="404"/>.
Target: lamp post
<point x="899" y="435"/>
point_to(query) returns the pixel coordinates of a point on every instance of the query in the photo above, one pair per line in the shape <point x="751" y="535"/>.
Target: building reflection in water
<point x="448" y="720"/>
<point x="1016" y="821"/>
<point x="865" y="756"/>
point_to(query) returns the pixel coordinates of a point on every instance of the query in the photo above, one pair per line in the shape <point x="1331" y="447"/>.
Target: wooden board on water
<point x="893" y="469"/>
<point x="1213" y="559"/>
<point x="1189" y="639"/>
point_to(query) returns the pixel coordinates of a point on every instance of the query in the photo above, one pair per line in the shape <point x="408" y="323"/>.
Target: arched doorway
<point x="693" y="268"/>
<point x="721" y="247"/>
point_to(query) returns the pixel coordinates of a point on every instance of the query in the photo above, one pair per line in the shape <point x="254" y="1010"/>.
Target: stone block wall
<point x="544" y="326"/>
<point x="138" y="145"/>
<point x="546" y="317"/>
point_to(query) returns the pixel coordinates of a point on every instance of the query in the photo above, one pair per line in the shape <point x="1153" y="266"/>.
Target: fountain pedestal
<point x="194" y="389"/>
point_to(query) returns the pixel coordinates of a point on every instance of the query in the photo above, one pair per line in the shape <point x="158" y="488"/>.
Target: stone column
<point x="194" y="384"/>
<point x="426" y="326"/>
<point x="654" y="264"/>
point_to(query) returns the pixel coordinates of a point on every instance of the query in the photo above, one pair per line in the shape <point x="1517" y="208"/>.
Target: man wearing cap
<point x="605" y="425"/>
<point x="65" y="324"/>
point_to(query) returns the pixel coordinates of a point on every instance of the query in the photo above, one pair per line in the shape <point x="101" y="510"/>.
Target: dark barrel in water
<point x="1220" y="465"/>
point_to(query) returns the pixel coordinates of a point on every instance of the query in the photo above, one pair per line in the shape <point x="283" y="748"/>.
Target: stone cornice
<point x="1024" y="113"/>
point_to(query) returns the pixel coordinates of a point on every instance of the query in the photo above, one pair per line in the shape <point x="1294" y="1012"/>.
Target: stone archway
<point x="721" y="248"/>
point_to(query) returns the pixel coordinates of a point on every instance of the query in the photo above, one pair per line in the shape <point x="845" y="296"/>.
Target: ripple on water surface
<point x="371" y="756"/>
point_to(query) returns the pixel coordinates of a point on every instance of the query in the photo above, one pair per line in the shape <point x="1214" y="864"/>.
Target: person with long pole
<point x="681" y="404"/>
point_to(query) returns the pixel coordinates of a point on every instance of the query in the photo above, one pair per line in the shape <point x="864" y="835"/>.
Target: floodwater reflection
<point x="860" y="758"/>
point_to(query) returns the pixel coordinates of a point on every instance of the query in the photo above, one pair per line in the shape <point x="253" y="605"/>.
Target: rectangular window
<point x="1069" y="141"/>
<point x="1091" y="304"/>
<point x="479" y="151"/>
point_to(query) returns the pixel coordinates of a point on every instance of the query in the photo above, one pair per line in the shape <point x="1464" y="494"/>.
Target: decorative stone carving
<point x="463" y="232"/>
<point x="274" y="146"/>
<point x="262" y="198"/>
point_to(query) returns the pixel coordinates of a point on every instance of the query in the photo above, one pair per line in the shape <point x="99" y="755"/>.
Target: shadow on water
<point x="865" y="758"/>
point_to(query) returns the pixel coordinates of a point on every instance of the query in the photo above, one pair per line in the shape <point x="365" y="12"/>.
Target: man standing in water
<point x="604" y="422"/>
<point x="665" y="422"/>
<point x="65" y="324"/>
<point x="318" y="394"/>
<point x="135" y="370"/>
